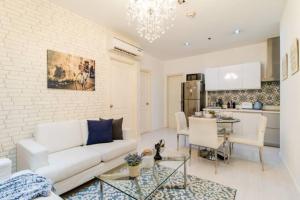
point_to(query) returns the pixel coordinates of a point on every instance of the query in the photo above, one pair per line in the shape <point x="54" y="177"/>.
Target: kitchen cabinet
<point x="272" y="136"/>
<point x="212" y="79"/>
<point x="251" y="73"/>
<point x="230" y="78"/>
<point x="235" y="77"/>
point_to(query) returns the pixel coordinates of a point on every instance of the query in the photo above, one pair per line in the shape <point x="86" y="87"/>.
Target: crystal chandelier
<point x="153" y="17"/>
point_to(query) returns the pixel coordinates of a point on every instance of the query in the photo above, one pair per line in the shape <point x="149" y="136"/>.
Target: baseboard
<point x="153" y="130"/>
<point x="289" y="171"/>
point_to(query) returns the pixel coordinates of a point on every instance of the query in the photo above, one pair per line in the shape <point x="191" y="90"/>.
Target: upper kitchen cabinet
<point x="230" y="78"/>
<point x="251" y="76"/>
<point x="236" y="77"/>
<point x="212" y="79"/>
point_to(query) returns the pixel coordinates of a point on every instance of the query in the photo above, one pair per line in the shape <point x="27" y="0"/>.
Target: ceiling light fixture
<point x="152" y="17"/>
<point x="237" y="31"/>
<point x="181" y="1"/>
<point x="187" y="44"/>
<point x="191" y="14"/>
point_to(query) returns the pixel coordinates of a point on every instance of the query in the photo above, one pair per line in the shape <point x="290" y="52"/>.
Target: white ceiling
<point x="257" y="19"/>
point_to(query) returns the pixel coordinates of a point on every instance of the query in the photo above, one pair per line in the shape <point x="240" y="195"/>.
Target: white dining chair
<point x="181" y="125"/>
<point x="203" y="132"/>
<point x="258" y="142"/>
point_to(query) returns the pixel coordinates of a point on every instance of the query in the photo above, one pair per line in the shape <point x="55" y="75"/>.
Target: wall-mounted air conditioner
<point x="121" y="46"/>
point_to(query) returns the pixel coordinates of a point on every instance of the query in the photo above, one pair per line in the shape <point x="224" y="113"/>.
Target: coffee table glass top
<point x="148" y="182"/>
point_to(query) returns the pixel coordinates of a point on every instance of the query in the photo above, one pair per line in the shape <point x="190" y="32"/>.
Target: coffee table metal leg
<point x="184" y="174"/>
<point x="101" y="190"/>
<point x="138" y="188"/>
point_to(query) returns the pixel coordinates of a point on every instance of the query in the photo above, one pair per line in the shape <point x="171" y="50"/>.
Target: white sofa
<point x="59" y="152"/>
<point x="5" y="173"/>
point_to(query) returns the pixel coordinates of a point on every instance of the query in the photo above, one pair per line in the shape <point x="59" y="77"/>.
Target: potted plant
<point x="133" y="160"/>
<point x="210" y="114"/>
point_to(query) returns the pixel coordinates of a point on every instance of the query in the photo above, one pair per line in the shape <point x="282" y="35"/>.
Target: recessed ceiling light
<point x="237" y="31"/>
<point x="181" y="1"/>
<point x="187" y="44"/>
<point x="191" y="14"/>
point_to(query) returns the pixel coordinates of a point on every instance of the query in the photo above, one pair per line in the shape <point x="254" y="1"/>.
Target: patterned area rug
<point x="197" y="189"/>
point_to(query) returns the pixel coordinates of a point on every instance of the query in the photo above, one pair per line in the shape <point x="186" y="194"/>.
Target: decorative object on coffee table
<point x="148" y="159"/>
<point x="158" y="147"/>
<point x="133" y="162"/>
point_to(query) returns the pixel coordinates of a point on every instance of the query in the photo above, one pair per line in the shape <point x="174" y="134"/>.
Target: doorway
<point x="145" y="101"/>
<point x="173" y="98"/>
<point x="123" y="92"/>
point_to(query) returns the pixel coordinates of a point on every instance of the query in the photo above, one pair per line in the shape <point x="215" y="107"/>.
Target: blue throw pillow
<point x="100" y="131"/>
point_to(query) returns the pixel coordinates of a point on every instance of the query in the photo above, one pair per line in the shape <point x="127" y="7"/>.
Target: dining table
<point x="206" y="152"/>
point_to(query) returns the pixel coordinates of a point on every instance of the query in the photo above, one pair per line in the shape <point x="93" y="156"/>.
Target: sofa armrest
<point x="5" y="168"/>
<point x="31" y="155"/>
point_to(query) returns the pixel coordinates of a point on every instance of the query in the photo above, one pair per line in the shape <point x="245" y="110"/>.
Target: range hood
<point x="271" y="72"/>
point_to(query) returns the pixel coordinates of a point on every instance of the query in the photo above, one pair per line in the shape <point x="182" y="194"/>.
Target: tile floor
<point x="243" y="172"/>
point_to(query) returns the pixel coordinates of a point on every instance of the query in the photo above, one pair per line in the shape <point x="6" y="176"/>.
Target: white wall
<point x="290" y="94"/>
<point x="155" y="67"/>
<point x="198" y="64"/>
<point x="27" y="29"/>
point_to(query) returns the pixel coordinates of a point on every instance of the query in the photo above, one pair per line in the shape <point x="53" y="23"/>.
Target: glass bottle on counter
<point x="228" y="105"/>
<point x="233" y="105"/>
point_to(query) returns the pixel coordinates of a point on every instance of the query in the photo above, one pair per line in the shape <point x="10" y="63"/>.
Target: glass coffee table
<point x="149" y="181"/>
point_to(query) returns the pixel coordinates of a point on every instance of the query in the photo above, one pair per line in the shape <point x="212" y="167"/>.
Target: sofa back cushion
<point x="57" y="136"/>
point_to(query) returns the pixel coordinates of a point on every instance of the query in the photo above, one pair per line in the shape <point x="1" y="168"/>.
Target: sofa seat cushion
<point x="67" y="163"/>
<point x="114" y="149"/>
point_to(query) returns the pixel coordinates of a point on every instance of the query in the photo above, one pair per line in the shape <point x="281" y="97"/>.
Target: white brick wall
<point x="27" y="29"/>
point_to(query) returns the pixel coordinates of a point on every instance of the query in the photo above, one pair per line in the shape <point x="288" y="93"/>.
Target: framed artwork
<point x="285" y="67"/>
<point x="295" y="57"/>
<point x="65" y="71"/>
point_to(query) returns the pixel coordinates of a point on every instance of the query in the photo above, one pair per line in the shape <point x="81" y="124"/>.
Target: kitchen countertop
<point x="244" y="110"/>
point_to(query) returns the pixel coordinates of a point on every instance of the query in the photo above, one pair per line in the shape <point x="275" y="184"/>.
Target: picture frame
<point x="69" y="72"/>
<point x="285" y="67"/>
<point x="294" y="57"/>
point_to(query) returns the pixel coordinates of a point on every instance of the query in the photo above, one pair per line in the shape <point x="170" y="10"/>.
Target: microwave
<point x="195" y="77"/>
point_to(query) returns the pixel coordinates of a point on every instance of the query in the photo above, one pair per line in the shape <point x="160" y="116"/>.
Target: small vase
<point x="148" y="162"/>
<point x="134" y="171"/>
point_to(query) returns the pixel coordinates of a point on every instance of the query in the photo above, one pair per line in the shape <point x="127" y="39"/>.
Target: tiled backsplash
<point x="269" y="94"/>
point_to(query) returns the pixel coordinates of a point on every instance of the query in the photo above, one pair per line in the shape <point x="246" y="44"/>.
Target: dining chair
<point x="203" y="132"/>
<point x="181" y="125"/>
<point x="258" y="142"/>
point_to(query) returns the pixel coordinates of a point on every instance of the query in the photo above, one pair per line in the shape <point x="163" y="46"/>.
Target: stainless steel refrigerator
<point x="192" y="96"/>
